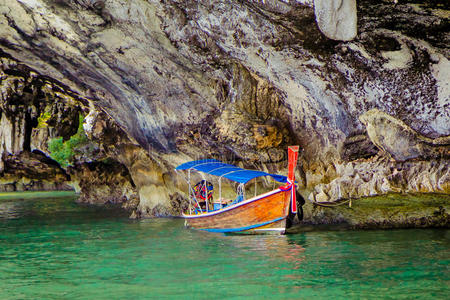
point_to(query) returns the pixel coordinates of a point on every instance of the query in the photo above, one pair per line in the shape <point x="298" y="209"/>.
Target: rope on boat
<point x="290" y="185"/>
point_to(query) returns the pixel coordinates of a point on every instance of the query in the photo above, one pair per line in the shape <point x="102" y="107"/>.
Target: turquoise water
<point x="52" y="248"/>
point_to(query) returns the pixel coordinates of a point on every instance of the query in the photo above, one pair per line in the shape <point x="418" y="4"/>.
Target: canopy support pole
<point x="220" y="191"/>
<point x="192" y="193"/>
<point x="206" y="192"/>
<point x="189" y="192"/>
<point x="241" y="190"/>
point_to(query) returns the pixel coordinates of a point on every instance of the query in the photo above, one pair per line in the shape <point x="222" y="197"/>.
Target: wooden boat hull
<point x="264" y="213"/>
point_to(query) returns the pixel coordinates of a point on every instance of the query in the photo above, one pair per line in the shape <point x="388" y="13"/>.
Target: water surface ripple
<point x="52" y="248"/>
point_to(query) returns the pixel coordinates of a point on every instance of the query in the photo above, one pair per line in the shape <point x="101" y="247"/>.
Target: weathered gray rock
<point x="12" y="134"/>
<point x="32" y="172"/>
<point x="151" y="184"/>
<point x="401" y="142"/>
<point x="379" y="176"/>
<point x="337" y="19"/>
<point x="104" y="182"/>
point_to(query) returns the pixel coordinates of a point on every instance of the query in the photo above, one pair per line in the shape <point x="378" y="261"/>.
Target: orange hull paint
<point x="266" y="212"/>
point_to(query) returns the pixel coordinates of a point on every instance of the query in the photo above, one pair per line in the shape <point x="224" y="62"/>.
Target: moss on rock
<point x="390" y="211"/>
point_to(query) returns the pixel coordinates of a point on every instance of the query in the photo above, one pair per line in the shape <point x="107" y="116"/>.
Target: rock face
<point x="391" y="211"/>
<point x="30" y="172"/>
<point x="336" y="18"/>
<point x="162" y="82"/>
<point x="28" y="116"/>
<point x="378" y="176"/>
<point x="394" y="170"/>
<point x="149" y="183"/>
<point x="104" y="182"/>
<point x="401" y="142"/>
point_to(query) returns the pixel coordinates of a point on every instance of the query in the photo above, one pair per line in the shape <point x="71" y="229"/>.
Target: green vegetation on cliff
<point x="43" y="118"/>
<point x="64" y="151"/>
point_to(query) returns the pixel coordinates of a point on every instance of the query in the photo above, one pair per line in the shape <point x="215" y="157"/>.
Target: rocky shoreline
<point x="393" y="210"/>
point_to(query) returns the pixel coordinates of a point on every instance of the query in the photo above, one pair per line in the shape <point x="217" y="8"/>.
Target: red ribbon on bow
<point x="291" y="186"/>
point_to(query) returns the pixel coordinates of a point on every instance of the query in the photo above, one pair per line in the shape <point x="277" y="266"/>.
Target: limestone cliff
<point x="161" y="82"/>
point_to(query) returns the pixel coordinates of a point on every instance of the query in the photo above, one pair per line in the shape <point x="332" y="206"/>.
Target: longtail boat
<point x="267" y="212"/>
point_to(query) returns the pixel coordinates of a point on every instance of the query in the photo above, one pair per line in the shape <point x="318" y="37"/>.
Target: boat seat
<point x="218" y="204"/>
<point x="223" y="201"/>
<point x="238" y="199"/>
<point x="226" y="202"/>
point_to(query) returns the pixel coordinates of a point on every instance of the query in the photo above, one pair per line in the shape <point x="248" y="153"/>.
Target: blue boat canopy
<point x="217" y="168"/>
